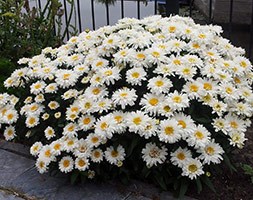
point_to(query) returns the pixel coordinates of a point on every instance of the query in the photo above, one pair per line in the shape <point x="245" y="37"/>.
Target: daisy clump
<point x="163" y="99"/>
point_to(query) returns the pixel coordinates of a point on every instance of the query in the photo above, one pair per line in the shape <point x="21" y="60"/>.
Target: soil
<point x="235" y="186"/>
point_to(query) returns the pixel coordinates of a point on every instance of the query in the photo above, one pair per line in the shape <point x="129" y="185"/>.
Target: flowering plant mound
<point x="158" y="98"/>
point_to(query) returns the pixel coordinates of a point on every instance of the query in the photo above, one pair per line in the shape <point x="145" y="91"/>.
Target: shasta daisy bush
<point x="159" y="98"/>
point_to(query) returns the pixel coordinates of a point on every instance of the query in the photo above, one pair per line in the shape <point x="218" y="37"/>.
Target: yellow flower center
<point x="172" y="29"/>
<point x="202" y="36"/>
<point x="108" y="73"/>
<point x="97" y="154"/>
<point x="209" y="150"/>
<point x="114" y="153"/>
<point x="159" y="83"/>
<point x="31" y="120"/>
<point x="110" y="41"/>
<point x="141" y="56"/>
<point x="177" y="99"/>
<point x="135" y="75"/>
<point x="177" y="62"/>
<point x="243" y="64"/>
<point x="194" y="88"/>
<point x="118" y="118"/>
<point x="123" y="94"/>
<point x="99" y="64"/>
<point x="87" y="105"/>
<point x="181" y="156"/>
<point x="86" y="120"/>
<point x="229" y="90"/>
<point x="66" y="76"/>
<point x="71" y="128"/>
<point x="48" y="153"/>
<point x="169" y="130"/>
<point x="207" y="86"/>
<point x="103" y="126"/>
<point x="182" y="123"/>
<point x="195" y="46"/>
<point x="81" y="163"/>
<point x="199" y="135"/>
<point x="96" y="91"/>
<point x="10" y="132"/>
<point x="37" y="86"/>
<point x="74" y="109"/>
<point x="156" y="54"/>
<point x="234" y="124"/>
<point x="66" y="163"/>
<point x="137" y="120"/>
<point x="192" y="168"/>
<point x="153" y="101"/>
<point x="57" y="146"/>
<point x="94" y="139"/>
<point x="10" y="116"/>
<point x="166" y="109"/>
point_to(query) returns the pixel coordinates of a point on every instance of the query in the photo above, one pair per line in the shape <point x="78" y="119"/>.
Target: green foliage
<point x="248" y="170"/>
<point x="6" y="68"/>
<point x="25" y="30"/>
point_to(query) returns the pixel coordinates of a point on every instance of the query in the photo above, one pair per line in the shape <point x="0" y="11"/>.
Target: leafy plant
<point x="248" y="170"/>
<point x="25" y="30"/>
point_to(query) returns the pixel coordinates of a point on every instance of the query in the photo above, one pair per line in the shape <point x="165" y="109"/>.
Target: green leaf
<point x="228" y="163"/>
<point x="207" y="181"/>
<point x="134" y="143"/>
<point x="183" y="188"/>
<point x="160" y="181"/>
<point x="74" y="177"/>
<point x="199" y="185"/>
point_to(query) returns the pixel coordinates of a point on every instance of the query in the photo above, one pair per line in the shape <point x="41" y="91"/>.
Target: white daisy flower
<point x="151" y="103"/>
<point x="136" y="75"/>
<point x="66" y="164"/>
<point x="86" y="122"/>
<point x="32" y="121"/>
<point x="93" y="140"/>
<point x="41" y="166"/>
<point x="105" y="126"/>
<point x="199" y="138"/>
<point x="49" y="132"/>
<point x="37" y="87"/>
<point x="115" y="156"/>
<point x="169" y="131"/>
<point x="180" y="157"/>
<point x="124" y="97"/>
<point x="66" y="78"/>
<point x="159" y="85"/>
<point x="9" y="133"/>
<point x="137" y="121"/>
<point x="211" y="153"/>
<point x="82" y="164"/>
<point x="35" y="148"/>
<point x="97" y="156"/>
<point x="192" y="169"/>
<point x="153" y="155"/>
<point x="178" y="101"/>
<point x="237" y="139"/>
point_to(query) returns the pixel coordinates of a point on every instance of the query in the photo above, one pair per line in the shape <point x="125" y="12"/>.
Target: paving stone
<point x="89" y="191"/>
<point x="6" y="196"/>
<point x="40" y="185"/>
<point x="169" y="196"/>
<point x="16" y="148"/>
<point x="12" y="166"/>
<point x="144" y="189"/>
